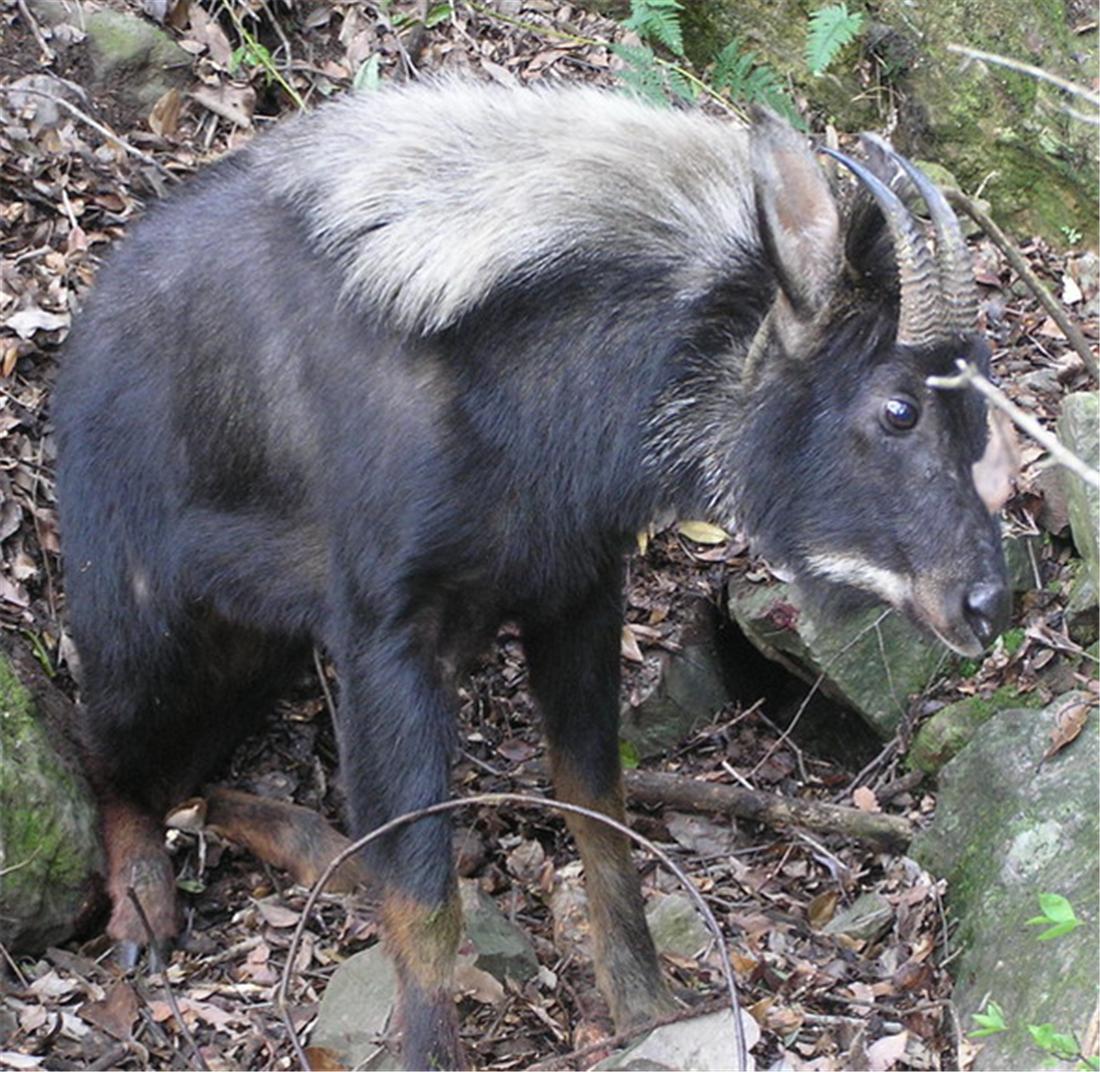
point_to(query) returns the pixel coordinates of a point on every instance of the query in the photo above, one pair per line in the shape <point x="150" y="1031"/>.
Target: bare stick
<point x="1051" y="304"/>
<point x="1028" y="69"/>
<point x="741" y="1055"/>
<point x="969" y="376"/>
<point x="73" y="110"/>
<point x="884" y="831"/>
<point x="200" y="1061"/>
<point x="32" y="22"/>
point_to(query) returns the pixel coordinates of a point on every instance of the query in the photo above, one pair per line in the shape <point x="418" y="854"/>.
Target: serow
<point x="426" y="361"/>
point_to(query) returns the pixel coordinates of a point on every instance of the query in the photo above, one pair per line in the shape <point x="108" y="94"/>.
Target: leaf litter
<point x="824" y="999"/>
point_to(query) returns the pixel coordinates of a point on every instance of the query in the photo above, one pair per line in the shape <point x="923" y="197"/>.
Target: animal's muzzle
<point x="986" y="608"/>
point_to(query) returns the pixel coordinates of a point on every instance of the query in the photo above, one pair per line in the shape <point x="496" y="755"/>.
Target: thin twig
<point x="496" y="800"/>
<point x="1028" y="69"/>
<point x="106" y="131"/>
<point x="818" y="682"/>
<point x="36" y="30"/>
<point x="200" y="1061"/>
<point x="969" y="376"/>
<point x="1020" y="266"/>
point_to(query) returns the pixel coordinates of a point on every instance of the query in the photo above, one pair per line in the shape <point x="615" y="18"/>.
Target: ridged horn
<point x="960" y="295"/>
<point x="919" y="316"/>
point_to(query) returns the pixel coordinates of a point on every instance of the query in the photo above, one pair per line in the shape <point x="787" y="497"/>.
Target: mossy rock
<point x="1079" y="431"/>
<point x="947" y="732"/>
<point x="1012" y="823"/>
<point x="868" y="662"/>
<point x="50" y="858"/>
<point x="135" y="60"/>
<point x="994" y="128"/>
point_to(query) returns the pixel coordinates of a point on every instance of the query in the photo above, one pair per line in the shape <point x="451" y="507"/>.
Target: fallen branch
<point x="1020" y="266"/>
<point x="884" y="831"/>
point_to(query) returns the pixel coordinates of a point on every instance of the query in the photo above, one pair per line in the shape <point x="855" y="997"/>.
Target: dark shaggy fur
<point x="291" y="416"/>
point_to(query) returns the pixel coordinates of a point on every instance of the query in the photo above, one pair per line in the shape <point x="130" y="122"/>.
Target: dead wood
<point x="884" y="831"/>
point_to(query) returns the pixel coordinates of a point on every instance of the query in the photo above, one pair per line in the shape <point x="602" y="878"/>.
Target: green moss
<point x="992" y="127"/>
<point x="948" y="731"/>
<point x="48" y="844"/>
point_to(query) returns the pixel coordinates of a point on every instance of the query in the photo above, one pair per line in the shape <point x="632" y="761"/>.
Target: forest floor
<point x="67" y="192"/>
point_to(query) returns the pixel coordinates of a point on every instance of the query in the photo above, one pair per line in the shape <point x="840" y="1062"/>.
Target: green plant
<point x="1058" y="916"/>
<point x="1060" y="919"/>
<point x="749" y="79"/>
<point x="831" y="28"/>
<point x="658" y="20"/>
<point x="1071" y="234"/>
<point x="990" y="1022"/>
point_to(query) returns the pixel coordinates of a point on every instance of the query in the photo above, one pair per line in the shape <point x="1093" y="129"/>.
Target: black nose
<point x="987" y="607"/>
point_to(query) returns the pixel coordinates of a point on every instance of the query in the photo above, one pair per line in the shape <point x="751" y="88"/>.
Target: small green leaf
<point x="439" y="13"/>
<point x="657" y="20"/>
<point x="1054" y="1042"/>
<point x="989" y="1022"/>
<point x="1058" y="916"/>
<point x="369" y="76"/>
<point x="642" y="74"/>
<point x="1057" y="908"/>
<point x="190" y="885"/>
<point x="628" y="755"/>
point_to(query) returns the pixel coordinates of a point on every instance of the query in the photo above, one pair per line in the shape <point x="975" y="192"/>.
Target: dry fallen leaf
<point x="630" y="648"/>
<point x="702" y="532"/>
<point x="1068" y="724"/>
<point x="822" y="908"/>
<point x="116" y="1013"/>
<point x="865" y="799"/>
<point x="277" y="915"/>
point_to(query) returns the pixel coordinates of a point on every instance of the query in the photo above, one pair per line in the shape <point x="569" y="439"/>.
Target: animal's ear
<point x="797" y="214"/>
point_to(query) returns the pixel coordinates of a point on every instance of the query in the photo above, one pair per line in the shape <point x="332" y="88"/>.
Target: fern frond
<point x="831" y="28"/>
<point x="747" y="80"/>
<point x="658" y="20"/>
<point x="642" y="75"/>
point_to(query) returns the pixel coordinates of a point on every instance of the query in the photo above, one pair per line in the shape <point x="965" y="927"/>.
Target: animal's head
<point x="859" y="476"/>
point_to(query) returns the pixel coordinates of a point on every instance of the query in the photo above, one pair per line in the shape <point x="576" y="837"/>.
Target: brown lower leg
<point x="627" y="969"/>
<point x="287" y="836"/>
<point x="423" y="940"/>
<point x="136" y="860"/>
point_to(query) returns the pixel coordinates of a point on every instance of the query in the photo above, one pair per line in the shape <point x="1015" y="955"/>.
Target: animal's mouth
<point x="956" y="635"/>
<point x="965" y="616"/>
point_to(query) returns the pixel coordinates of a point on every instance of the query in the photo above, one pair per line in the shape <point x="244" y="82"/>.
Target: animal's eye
<point x="900" y="414"/>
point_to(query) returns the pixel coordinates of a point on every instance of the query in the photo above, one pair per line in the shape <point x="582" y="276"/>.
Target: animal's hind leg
<point x="574" y="669"/>
<point x="153" y="727"/>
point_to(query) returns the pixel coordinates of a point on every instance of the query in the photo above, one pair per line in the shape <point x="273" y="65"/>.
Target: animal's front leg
<point x="395" y="730"/>
<point x="574" y="667"/>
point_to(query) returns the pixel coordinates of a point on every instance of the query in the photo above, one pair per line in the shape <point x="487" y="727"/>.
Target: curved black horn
<point x="919" y="319"/>
<point x="960" y="295"/>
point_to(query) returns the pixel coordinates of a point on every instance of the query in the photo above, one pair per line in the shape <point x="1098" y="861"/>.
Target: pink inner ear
<point x="996" y="471"/>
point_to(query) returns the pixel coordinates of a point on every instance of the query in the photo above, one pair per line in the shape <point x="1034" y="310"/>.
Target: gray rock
<point x="688" y="690"/>
<point x="502" y="948"/>
<point x="677" y="927"/>
<point x="868" y="917"/>
<point x="356" y="1010"/>
<point x="137" y="61"/>
<point x="700" y="1044"/>
<point x="873" y="669"/>
<point x="1079" y="430"/>
<point x="1011" y="825"/>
